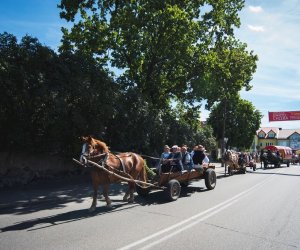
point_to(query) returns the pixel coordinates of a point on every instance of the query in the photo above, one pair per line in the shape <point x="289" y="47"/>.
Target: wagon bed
<point x="172" y="182"/>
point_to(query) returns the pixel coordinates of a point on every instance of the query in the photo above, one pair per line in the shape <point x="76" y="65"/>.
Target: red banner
<point x="284" y="116"/>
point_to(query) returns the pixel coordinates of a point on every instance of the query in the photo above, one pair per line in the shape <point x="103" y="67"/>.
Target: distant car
<point x="276" y="155"/>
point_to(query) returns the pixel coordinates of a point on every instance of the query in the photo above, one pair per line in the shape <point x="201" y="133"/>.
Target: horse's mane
<point x="97" y="144"/>
<point x="100" y="146"/>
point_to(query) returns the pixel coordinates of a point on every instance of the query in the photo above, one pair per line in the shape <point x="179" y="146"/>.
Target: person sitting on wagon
<point x="198" y="157"/>
<point x="173" y="162"/>
<point x="187" y="160"/>
<point x="165" y="154"/>
<point x="163" y="157"/>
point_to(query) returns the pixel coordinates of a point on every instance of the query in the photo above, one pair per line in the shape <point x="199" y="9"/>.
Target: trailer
<point x="276" y="155"/>
<point x="172" y="182"/>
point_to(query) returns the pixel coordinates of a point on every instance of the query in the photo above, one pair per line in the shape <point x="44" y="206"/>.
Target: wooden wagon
<point x="172" y="182"/>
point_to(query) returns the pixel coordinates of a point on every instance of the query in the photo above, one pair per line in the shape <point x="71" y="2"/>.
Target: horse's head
<point x="86" y="149"/>
<point x="227" y="155"/>
<point x="92" y="146"/>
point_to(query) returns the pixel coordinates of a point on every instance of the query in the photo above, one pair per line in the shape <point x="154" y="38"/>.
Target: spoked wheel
<point x="173" y="190"/>
<point x="210" y="179"/>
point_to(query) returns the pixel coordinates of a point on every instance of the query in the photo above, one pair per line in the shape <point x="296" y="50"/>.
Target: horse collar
<point x="103" y="161"/>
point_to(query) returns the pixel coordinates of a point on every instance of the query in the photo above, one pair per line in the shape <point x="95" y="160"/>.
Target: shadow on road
<point x="154" y="198"/>
<point x="50" y="221"/>
<point x="78" y="194"/>
<point x="51" y="195"/>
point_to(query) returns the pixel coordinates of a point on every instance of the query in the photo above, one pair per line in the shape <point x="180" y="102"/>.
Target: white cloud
<point x="255" y="9"/>
<point x="256" y="28"/>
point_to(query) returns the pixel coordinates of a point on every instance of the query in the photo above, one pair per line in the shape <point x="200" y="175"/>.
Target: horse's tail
<point x="143" y="172"/>
<point x="142" y="175"/>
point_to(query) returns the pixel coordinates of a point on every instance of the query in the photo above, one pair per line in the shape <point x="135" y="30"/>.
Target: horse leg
<point x="125" y="197"/>
<point x="129" y="193"/>
<point x="105" y="194"/>
<point x="94" y="203"/>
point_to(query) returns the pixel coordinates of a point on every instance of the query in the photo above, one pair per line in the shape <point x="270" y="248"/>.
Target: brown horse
<point x="129" y="165"/>
<point x="231" y="160"/>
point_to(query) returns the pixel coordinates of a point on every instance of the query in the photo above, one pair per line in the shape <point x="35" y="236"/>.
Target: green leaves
<point x="163" y="47"/>
<point x="48" y="99"/>
<point x="242" y="121"/>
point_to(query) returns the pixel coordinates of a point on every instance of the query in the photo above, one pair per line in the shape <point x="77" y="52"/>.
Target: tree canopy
<point x="48" y="100"/>
<point x="129" y="72"/>
<point x="163" y="47"/>
<point x="242" y="122"/>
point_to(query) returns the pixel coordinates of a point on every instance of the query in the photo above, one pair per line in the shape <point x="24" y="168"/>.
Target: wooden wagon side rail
<point x="184" y="175"/>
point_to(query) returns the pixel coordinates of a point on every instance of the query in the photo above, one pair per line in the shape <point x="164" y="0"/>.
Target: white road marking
<point x="181" y="229"/>
<point x="191" y="221"/>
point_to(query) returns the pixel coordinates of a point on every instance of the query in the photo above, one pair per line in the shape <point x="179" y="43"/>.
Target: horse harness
<point x="103" y="162"/>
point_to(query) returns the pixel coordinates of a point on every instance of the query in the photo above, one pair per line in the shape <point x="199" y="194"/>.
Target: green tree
<point x="24" y="96"/>
<point x="167" y="50"/>
<point x="230" y="69"/>
<point x="242" y="121"/>
<point x="161" y="46"/>
<point x="48" y="100"/>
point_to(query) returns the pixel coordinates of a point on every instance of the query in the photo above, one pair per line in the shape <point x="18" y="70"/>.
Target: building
<point x="276" y="136"/>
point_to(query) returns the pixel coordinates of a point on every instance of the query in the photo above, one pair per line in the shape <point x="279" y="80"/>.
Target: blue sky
<point x="270" y="28"/>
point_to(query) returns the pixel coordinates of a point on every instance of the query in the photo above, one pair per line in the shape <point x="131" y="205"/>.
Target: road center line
<point x="195" y="218"/>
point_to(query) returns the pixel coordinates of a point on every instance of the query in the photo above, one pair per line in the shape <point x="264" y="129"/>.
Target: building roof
<point x="266" y="130"/>
<point x="286" y="133"/>
<point x="280" y="133"/>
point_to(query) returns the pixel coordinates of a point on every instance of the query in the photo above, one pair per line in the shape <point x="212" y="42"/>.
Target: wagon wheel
<point x="173" y="190"/>
<point x="210" y="179"/>
<point x="143" y="192"/>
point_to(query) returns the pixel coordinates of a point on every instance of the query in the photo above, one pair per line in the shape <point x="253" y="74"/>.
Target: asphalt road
<point x="257" y="210"/>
